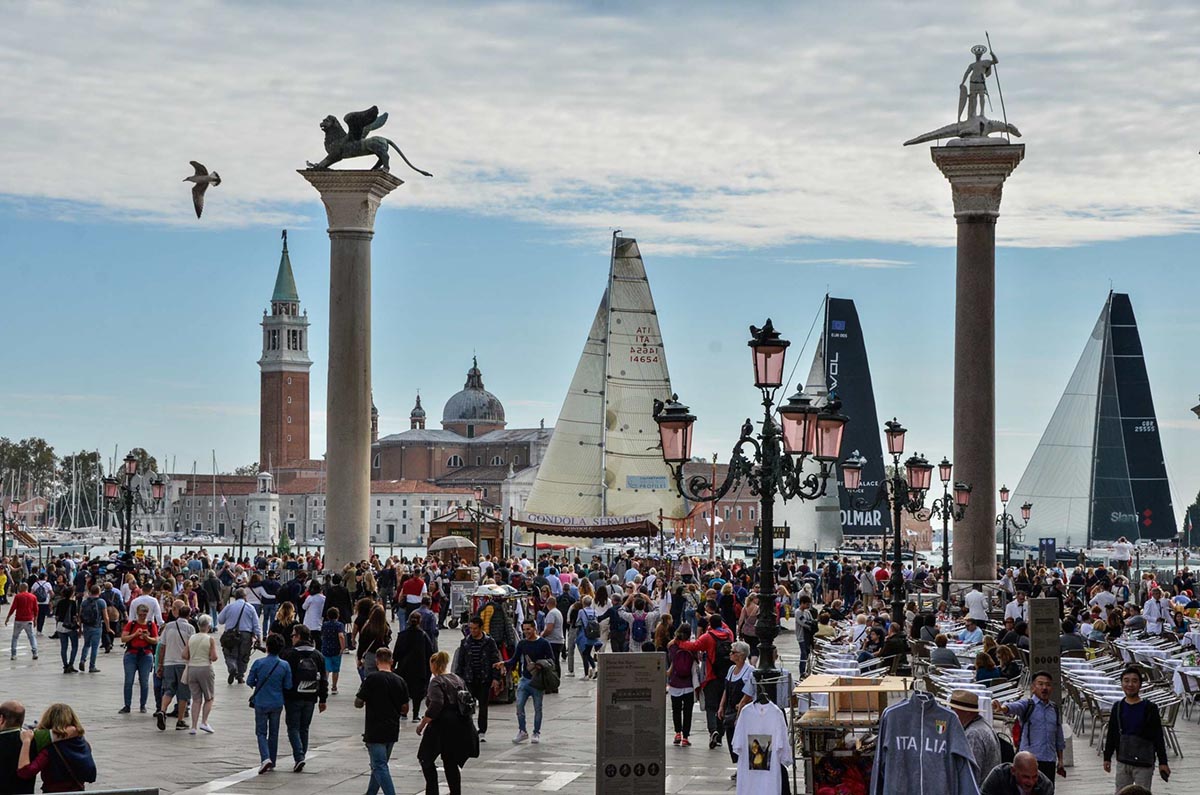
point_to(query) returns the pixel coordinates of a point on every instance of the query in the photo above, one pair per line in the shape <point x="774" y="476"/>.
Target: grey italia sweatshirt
<point x="922" y="748"/>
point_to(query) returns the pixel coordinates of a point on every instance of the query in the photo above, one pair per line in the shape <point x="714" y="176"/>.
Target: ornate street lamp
<point x="127" y="493"/>
<point x="8" y="513"/>
<point x="905" y="491"/>
<point x="773" y="467"/>
<point x="948" y="509"/>
<point x="1007" y="523"/>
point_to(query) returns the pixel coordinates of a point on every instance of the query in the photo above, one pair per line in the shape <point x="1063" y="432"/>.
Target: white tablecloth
<point x="1193" y="675"/>
<point x="1192" y="639"/>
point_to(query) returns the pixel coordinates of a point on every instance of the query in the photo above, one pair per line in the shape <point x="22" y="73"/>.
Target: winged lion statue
<point x="341" y="143"/>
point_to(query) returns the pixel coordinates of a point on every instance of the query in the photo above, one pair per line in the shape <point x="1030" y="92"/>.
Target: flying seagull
<point x="202" y="179"/>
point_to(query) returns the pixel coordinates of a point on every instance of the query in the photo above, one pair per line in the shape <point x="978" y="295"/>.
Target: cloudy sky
<point x="754" y="152"/>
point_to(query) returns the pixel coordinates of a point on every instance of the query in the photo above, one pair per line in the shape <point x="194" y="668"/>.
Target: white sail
<point x="603" y="459"/>
<point x="1057" y="479"/>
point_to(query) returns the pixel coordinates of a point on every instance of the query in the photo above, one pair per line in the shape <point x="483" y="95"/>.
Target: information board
<point x="460" y="596"/>
<point x="631" y="724"/>
<point x="1045" y="630"/>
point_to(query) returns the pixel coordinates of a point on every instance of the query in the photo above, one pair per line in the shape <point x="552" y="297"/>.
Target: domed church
<point x="472" y="448"/>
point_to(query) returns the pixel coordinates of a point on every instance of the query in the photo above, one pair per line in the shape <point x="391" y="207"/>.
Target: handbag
<point x="1132" y="749"/>
<point x="263" y="682"/>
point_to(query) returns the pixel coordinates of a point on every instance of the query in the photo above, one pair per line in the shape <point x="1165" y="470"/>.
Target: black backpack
<point x="1008" y="751"/>
<point x="465" y="703"/>
<point x="90" y="613"/>
<point x="722" y="662"/>
<point x="306" y="675"/>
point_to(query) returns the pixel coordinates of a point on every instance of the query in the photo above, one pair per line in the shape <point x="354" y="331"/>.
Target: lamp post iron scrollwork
<point x="773" y="467"/>
<point x="124" y="494"/>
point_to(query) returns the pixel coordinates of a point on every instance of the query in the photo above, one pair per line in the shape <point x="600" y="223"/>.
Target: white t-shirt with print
<point x="761" y="743"/>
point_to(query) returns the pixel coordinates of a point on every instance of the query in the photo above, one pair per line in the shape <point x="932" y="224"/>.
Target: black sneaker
<point x="298" y="766"/>
<point x="142" y="710"/>
<point x="714" y="740"/>
<point x="160" y="718"/>
<point x="123" y="711"/>
<point x="180" y="725"/>
<point x="93" y="670"/>
<point x="229" y="679"/>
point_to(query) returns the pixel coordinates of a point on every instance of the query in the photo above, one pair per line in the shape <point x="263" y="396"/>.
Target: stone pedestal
<point x="976" y="172"/>
<point x="351" y="199"/>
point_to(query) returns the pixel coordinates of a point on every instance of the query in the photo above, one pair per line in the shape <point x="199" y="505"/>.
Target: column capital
<point x="977" y="175"/>
<point x="351" y="197"/>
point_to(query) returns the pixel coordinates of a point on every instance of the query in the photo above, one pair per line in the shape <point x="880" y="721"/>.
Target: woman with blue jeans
<point x="269" y="677"/>
<point x="140" y="636"/>
<point x="66" y="621"/>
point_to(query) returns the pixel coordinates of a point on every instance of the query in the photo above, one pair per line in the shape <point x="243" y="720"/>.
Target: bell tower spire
<point x="284" y="366"/>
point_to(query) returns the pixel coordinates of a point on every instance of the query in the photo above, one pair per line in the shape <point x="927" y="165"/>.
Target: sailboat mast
<point x="1104" y="352"/>
<point x="608" y="302"/>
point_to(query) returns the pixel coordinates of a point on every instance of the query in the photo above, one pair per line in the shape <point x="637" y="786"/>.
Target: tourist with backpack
<point x="93" y="616"/>
<point x="716" y="644"/>
<point x="587" y="636"/>
<point x="681" y="684"/>
<point x="618" y="627"/>
<point x="641" y="620"/>
<point x="445" y="728"/>
<point x="1040" y="723"/>
<point x="309" y="691"/>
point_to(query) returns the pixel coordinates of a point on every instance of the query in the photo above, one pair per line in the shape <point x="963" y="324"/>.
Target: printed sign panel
<point x="631" y="724"/>
<point x="1045" y="651"/>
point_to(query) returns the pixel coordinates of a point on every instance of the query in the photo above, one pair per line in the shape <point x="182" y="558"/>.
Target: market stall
<point x="834" y="730"/>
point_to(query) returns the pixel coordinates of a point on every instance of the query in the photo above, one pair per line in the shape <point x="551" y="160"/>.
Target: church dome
<point x="473" y="404"/>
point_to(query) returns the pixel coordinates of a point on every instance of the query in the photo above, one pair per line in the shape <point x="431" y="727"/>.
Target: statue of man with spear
<point x="972" y="91"/>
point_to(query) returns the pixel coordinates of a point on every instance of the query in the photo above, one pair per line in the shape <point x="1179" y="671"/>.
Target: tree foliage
<point x="247" y="469"/>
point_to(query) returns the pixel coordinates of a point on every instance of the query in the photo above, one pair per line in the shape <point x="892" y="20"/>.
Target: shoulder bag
<point x="230" y="638"/>
<point x="1132" y="749"/>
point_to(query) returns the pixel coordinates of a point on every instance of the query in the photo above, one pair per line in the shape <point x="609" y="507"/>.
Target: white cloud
<point x="704" y="128"/>
<point x="871" y="263"/>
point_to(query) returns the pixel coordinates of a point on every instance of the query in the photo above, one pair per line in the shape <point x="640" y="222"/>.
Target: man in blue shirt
<point x="529" y="651"/>
<point x="1041" y="725"/>
<point x="972" y="634"/>
<point x="239" y="617"/>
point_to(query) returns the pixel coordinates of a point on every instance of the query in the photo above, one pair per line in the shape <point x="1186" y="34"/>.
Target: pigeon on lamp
<point x="202" y="179"/>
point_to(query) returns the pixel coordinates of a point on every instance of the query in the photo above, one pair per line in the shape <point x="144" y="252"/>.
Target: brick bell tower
<point x="283" y="418"/>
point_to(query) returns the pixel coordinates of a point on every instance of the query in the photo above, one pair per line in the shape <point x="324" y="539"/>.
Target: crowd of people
<point x="284" y="625"/>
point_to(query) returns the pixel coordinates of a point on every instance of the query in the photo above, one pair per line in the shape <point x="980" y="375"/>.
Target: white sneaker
<point x="537" y="738"/>
<point x="191" y="731"/>
<point x="520" y="738"/>
<point x="204" y="727"/>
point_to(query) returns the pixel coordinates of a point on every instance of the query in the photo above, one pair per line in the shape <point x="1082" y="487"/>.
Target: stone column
<point x="976" y="169"/>
<point x="351" y="199"/>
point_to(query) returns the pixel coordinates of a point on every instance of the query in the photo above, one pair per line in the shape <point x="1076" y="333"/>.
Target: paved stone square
<point x="130" y="751"/>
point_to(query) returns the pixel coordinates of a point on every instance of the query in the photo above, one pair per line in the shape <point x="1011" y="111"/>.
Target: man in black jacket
<point x="475" y="665"/>
<point x="1137" y="720"/>
<point x="310" y="688"/>
<point x="12" y="715"/>
<point x="338" y="596"/>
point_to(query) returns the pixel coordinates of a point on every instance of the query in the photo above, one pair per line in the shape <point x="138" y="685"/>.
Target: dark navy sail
<point x="848" y="377"/>
<point x="1130" y="493"/>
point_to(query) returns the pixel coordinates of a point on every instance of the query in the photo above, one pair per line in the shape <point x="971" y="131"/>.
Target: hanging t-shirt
<point x="761" y="743"/>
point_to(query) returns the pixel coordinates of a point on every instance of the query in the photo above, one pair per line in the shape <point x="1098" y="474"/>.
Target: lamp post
<point x="7" y="513"/>
<point x="903" y="492"/>
<point x="774" y="467"/>
<point x="947" y="509"/>
<point x="124" y="494"/>
<point x="1008" y="522"/>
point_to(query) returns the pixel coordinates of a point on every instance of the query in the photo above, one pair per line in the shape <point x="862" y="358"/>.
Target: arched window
<point x="455" y="462"/>
<point x="497" y="461"/>
<point x="375" y="462"/>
